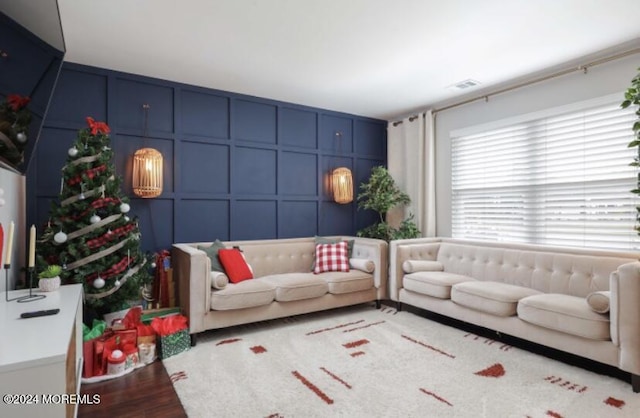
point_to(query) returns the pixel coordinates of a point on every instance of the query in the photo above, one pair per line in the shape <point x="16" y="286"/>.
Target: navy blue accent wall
<point x="235" y="167"/>
<point x="28" y="67"/>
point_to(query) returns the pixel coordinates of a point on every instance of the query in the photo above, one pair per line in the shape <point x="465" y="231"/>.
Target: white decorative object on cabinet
<point x="41" y="357"/>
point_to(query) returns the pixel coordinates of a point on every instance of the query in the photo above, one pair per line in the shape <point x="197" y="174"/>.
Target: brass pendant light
<point x="342" y="180"/>
<point x="147" y="168"/>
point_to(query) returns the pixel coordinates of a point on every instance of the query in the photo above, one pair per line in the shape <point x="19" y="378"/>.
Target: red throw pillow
<point x="235" y="266"/>
<point x="332" y="257"/>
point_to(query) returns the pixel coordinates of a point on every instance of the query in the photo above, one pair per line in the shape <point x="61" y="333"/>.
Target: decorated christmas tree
<point x="14" y="125"/>
<point x="89" y="232"/>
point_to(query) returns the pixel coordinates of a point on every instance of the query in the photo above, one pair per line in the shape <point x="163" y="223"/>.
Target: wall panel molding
<point x="235" y="166"/>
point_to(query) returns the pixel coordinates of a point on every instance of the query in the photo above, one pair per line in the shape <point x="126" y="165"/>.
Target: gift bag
<point x="87" y="358"/>
<point x="102" y="346"/>
<point x="89" y="337"/>
<point x="175" y="343"/>
<point x="173" y="335"/>
<point x="127" y="336"/>
<point x="146" y="334"/>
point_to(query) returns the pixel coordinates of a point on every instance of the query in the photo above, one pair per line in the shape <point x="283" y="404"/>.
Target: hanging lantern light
<point x="342" y="185"/>
<point x="147" y="173"/>
<point x="341" y="179"/>
<point x="147" y="166"/>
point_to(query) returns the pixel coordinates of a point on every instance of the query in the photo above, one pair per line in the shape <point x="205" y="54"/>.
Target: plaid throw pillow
<point x="331" y="257"/>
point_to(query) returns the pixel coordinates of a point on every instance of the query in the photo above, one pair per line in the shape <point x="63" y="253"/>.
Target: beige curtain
<point x="411" y="162"/>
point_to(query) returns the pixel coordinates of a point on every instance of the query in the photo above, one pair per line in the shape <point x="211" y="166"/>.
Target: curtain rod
<point x="411" y="119"/>
<point x="584" y="68"/>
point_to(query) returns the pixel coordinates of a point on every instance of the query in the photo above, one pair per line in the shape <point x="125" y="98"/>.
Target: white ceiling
<point x="373" y="58"/>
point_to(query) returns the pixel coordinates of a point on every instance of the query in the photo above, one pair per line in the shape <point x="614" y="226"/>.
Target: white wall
<point x="609" y="78"/>
<point x="14" y="209"/>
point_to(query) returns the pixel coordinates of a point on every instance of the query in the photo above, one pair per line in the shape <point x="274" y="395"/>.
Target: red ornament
<point x="97" y="127"/>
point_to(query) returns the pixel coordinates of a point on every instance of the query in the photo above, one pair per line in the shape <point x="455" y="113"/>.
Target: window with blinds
<point x="559" y="179"/>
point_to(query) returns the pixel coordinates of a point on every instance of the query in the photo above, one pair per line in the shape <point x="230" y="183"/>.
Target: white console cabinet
<point x="41" y="358"/>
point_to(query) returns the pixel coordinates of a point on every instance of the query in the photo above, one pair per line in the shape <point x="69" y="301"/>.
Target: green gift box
<point x="173" y="344"/>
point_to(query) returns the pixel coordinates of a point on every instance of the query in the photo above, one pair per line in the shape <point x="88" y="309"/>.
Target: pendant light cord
<point x="145" y="132"/>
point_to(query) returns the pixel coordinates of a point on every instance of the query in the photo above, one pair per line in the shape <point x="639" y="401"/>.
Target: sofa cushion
<point x="564" y="313"/>
<point x="296" y="286"/>
<point x="331" y="257"/>
<point x="599" y="301"/>
<point x="492" y="297"/>
<point x="246" y="294"/>
<point x="433" y="283"/>
<point x="353" y="281"/>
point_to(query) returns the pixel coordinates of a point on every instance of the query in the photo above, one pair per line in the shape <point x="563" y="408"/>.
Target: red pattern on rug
<point x="441" y="399"/>
<point x="388" y="310"/>
<point x="437" y="350"/>
<point x="229" y="341"/>
<point x="554" y="414"/>
<point x="312" y="387"/>
<point x="358" y="353"/>
<point x="336" y="327"/>
<point x="496" y="370"/>
<point x="364" y="326"/>
<point x="276" y="415"/>
<point x="488" y="341"/>
<point x="177" y="376"/>
<point x="354" y="344"/>
<point x="559" y="381"/>
<point x="617" y="403"/>
<point x="334" y="376"/>
<point x="258" y="349"/>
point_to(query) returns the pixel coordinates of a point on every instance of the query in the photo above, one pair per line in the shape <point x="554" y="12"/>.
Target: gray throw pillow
<point x="212" y="253"/>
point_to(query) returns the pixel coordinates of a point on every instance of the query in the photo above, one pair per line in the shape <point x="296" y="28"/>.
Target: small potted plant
<point x="49" y="278"/>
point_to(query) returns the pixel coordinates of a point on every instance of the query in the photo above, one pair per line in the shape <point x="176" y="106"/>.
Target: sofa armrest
<point x="377" y="251"/>
<point x="192" y="269"/>
<point x="625" y="314"/>
<point x="408" y="249"/>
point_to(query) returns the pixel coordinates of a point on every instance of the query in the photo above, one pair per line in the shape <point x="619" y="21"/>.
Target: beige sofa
<point x="579" y="301"/>
<point x="283" y="283"/>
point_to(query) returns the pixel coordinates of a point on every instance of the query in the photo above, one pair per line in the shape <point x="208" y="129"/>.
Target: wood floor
<point x="145" y="392"/>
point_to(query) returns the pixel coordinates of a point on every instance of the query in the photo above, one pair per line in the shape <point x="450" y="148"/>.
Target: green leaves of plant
<point x="632" y="96"/>
<point x="381" y="194"/>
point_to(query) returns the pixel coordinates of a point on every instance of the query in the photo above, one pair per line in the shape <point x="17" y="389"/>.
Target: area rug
<point x="365" y="362"/>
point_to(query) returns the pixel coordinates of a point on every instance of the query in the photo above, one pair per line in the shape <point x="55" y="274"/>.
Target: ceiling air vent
<point x="463" y="85"/>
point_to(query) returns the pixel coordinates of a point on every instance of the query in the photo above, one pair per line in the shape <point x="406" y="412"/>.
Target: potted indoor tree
<point x="381" y="194"/>
<point x="49" y="278"/>
<point x="632" y="97"/>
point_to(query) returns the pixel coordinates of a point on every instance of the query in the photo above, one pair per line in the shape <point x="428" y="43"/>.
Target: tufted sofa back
<point x="546" y="271"/>
<point x="266" y="257"/>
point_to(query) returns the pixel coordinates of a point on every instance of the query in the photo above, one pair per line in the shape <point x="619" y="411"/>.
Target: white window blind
<point x="561" y="179"/>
